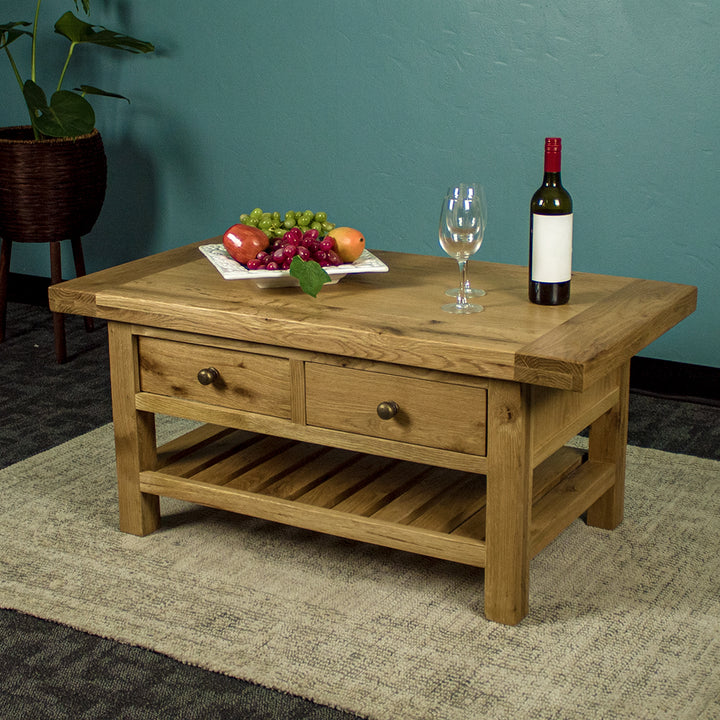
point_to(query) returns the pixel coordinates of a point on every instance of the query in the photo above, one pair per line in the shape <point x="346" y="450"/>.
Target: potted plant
<point x="68" y="114"/>
<point x="53" y="172"/>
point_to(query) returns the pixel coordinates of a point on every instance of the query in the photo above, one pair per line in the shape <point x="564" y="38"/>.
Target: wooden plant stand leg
<point x="135" y="441"/>
<point x="79" y="261"/>
<point x="509" y="503"/>
<point x="58" y="318"/>
<point x="5" y="250"/>
<point x="608" y="443"/>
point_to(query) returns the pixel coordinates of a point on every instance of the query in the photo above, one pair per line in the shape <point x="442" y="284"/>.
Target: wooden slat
<point x="383" y="489"/>
<point x="555" y="468"/>
<point x="238" y="459"/>
<point x="207" y="455"/>
<point x="275" y="465"/>
<point x="313" y="472"/>
<point x="349" y="480"/>
<point x="568" y="500"/>
<point x="545" y="477"/>
<point x="475" y="526"/>
<point x="417" y="499"/>
<point x="189" y="442"/>
<point x="354" y="527"/>
<point x="458" y="503"/>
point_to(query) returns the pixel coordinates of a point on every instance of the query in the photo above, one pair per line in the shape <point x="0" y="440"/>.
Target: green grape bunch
<point x="275" y="225"/>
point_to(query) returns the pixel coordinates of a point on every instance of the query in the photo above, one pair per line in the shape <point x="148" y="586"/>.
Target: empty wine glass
<point x="470" y="292"/>
<point x="462" y="224"/>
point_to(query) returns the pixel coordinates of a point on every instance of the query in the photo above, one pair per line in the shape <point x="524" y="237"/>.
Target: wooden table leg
<point x="58" y="318"/>
<point x="135" y="442"/>
<point x="79" y="260"/>
<point x="5" y="251"/>
<point x="608" y="443"/>
<point x="509" y="502"/>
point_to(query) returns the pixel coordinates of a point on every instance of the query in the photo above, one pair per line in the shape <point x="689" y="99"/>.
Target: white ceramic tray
<point x="232" y="270"/>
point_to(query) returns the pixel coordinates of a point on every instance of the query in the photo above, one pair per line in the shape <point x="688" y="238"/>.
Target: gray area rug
<point x="623" y="624"/>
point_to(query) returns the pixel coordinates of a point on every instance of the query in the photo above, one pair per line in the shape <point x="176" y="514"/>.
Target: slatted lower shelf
<point x="409" y="506"/>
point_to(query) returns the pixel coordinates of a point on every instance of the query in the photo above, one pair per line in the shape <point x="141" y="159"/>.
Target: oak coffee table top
<point x="396" y="316"/>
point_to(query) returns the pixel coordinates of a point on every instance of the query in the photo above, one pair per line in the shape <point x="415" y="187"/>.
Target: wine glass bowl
<point x="462" y="224"/>
<point x="458" y="191"/>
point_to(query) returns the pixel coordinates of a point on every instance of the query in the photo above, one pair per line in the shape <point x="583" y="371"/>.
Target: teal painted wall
<point x="369" y="109"/>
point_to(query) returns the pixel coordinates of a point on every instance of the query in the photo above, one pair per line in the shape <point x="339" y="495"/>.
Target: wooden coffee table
<point x="369" y="413"/>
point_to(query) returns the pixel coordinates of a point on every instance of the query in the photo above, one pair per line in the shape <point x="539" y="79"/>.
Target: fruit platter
<point x="301" y="249"/>
<point x="232" y="270"/>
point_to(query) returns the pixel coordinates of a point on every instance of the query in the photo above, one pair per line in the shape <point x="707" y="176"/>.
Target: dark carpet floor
<point x="52" y="671"/>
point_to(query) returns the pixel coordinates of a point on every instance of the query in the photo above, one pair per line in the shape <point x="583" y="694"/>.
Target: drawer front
<point x="245" y="381"/>
<point x="429" y="412"/>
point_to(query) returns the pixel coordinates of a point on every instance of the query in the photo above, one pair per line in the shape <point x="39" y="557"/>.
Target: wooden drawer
<point x="433" y="413"/>
<point x="245" y="381"/>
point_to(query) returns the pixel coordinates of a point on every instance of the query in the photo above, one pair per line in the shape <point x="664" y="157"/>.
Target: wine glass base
<point x="469" y="292"/>
<point x="466" y="309"/>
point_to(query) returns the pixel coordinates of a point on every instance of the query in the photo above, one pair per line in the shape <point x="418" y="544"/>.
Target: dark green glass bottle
<point x="551" y="223"/>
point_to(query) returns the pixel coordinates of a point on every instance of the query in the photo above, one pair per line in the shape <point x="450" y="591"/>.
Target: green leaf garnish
<point x="309" y="274"/>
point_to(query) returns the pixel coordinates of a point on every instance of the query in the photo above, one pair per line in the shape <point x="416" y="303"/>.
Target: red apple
<point x="244" y="242"/>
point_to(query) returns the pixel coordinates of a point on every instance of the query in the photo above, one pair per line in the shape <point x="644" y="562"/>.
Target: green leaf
<point x="90" y="90"/>
<point x="78" y="31"/>
<point x="9" y="32"/>
<point x="309" y="274"/>
<point x="67" y="115"/>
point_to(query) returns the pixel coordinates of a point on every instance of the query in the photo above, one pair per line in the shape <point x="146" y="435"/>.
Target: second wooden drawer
<point x="433" y="413"/>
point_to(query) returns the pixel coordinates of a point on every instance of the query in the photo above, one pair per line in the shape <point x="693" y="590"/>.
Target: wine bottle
<point x="551" y="226"/>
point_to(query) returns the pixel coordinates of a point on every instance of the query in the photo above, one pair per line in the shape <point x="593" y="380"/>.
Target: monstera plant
<point x="67" y="113"/>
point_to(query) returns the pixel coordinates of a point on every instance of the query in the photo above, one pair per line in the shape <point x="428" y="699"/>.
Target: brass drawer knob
<point x="387" y="410"/>
<point x="207" y="376"/>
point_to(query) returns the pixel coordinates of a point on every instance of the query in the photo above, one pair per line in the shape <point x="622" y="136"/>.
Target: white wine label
<point x="551" y="248"/>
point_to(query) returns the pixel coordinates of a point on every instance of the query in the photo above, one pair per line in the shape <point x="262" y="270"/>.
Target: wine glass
<point x="462" y="224"/>
<point x="470" y="292"/>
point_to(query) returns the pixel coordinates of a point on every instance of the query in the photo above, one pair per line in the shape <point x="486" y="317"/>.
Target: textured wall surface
<point x="370" y="109"/>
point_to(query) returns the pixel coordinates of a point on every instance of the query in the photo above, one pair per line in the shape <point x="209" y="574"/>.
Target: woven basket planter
<point x="50" y="189"/>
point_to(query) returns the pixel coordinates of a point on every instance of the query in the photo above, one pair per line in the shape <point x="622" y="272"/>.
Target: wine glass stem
<point x="464" y="283"/>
